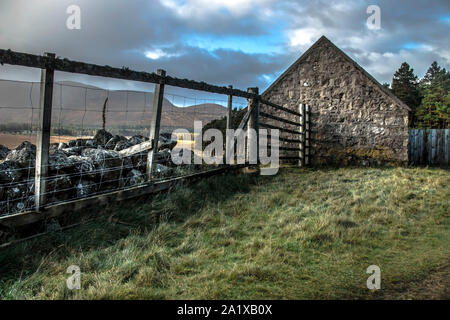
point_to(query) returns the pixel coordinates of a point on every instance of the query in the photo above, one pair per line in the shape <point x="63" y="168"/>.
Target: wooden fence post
<point x="158" y="99"/>
<point x="229" y="140"/>
<point x="307" y="135"/>
<point x="253" y="123"/>
<point x="302" y="111"/>
<point x="43" y="135"/>
<point x="229" y="109"/>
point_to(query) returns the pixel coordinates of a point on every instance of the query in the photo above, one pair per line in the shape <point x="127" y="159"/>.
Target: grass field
<point x="302" y="234"/>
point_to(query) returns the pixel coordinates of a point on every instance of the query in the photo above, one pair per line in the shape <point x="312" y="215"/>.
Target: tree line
<point x="428" y="98"/>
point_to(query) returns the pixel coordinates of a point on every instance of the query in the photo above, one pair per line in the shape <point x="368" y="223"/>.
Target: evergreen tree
<point x="434" y="111"/>
<point x="433" y="72"/>
<point x="405" y="86"/>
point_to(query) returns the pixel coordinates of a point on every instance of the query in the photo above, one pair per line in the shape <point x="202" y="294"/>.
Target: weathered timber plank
<point x="253" y="124"/>
<point x="43" y="135"/>
<point x="144" y="146"/>
<point x="270" y="116"/>
<point x="66" y="65"/>
<point x="275" y="106"/>
<point x="446" y="146"/>
<point x="307" y="135"/>
<point x="158" y="99"/>
<point x="269" y="126"/>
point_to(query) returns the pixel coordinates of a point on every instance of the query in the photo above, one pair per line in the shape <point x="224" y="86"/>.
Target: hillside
<point x="77" y="104"/>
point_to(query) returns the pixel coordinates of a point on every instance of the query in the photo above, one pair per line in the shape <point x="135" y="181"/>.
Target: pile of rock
<point x="3" y="152"/>
<point x="79" y="168"/>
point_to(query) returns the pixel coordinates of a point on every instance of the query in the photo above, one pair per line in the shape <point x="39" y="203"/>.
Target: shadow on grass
<point x="135" y="217"/>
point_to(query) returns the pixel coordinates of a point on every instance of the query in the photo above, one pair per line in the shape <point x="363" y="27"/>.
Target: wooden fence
<point x="49" y="63"/>
<point x="429" y="146"/>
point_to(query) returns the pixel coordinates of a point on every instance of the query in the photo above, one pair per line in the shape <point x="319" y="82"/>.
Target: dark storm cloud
<point x="120" y="33"/>
<point x="117" y="34"/>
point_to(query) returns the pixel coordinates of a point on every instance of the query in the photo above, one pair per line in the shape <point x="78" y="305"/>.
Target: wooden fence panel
<point x="429" y="146"/>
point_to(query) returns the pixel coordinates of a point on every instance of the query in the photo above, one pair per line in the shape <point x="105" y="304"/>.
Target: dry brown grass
<point x="13" y="140"/>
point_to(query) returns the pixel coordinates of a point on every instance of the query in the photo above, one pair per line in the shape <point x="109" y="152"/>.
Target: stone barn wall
<point x="354" y="120"/>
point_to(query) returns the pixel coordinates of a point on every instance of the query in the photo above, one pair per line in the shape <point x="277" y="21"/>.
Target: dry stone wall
<point x="353" y="121"/>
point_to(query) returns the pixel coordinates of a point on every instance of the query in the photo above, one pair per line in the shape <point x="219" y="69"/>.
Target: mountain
<point x="77" y="104"/>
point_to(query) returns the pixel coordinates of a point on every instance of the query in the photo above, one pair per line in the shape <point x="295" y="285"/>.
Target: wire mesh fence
<point x="90" y="128"/>
<point x="92" y="133"/>
<point x="19" y="116"/>
<point x="185" y="120"/>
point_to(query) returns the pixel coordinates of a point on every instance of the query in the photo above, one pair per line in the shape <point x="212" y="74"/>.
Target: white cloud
<point x="200" y="8"/>
<point x="159" y="53"/>
<point x="383" y="65"/>
<point x="155" y="54"/>
<point x="304" y="36"/>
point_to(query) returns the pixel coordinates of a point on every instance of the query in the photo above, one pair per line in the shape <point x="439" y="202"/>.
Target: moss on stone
<point x="378" y="156"/>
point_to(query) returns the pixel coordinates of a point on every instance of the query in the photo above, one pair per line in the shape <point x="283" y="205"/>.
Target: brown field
<point x="13" y="140"/>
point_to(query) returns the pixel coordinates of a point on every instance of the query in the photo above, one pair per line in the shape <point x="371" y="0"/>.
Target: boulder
<point x="121" y="145"/>
<point x="108" y="162"/>
<point x="10" y="172"/>
<point x="72" y="151"/>
<point x="101" y="156"/>
<point x="102" y="137"/>
<point x="85" y="188"/>
<point x="166" y="141"/>
<point x="59" y="162"/>
<point x="77" y="143"/>
<point x="24" y="155"/>
<point x="161" y="170"/>
<point x="163" y="157"/>
<point x="3" y="152"/>
<point x="53" y="146"/>
<point x="62" y="145"/>
<point x="91" y="143"/>
<point x="111" y="144"/>
<point x="165" y="135"/>
<point x="19" y="191"/>
<point x="166" y="145"/>
<point x="88" y="143"/>
<point x="24" y="204"/>
<point x="59" y="188"/>
<point x="26" y="145"/>
<point x="134" y="177"/>
<point x="139" y="161"/>
<point x="83" y="165"/>
<point x="137" y="139"/>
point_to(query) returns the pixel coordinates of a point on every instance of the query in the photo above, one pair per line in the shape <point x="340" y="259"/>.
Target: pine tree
<point x="405" y="86"/>
<point x="434" y="111"/>
<point x="433" y="72"/>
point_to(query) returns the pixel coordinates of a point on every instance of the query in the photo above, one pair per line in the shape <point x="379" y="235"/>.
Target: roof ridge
<point x="368" y="75"/>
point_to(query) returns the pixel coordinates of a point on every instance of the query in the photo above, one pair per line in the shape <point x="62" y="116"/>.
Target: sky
<point x="245" y="43"/>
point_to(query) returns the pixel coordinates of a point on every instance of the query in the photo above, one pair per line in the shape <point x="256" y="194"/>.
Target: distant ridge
<point x="76" y="103"/>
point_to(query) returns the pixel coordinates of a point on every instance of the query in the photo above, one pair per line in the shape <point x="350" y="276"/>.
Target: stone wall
<point x="353" y="120"/>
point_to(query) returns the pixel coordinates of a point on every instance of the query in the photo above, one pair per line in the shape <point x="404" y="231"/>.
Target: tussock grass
<point x="303" y="234"/>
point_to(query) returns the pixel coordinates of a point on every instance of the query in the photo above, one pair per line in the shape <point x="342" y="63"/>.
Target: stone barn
<point x="354" y="119"/>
